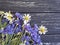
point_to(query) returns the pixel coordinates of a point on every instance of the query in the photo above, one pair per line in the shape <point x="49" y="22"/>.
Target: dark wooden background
<point x="45" y="12"/>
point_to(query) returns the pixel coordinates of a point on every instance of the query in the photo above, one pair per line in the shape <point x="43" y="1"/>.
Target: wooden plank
<point x="50" y="20"/>
<point x="30" y="5"/>
<point x="51" y="43"/>
<point x="50" y="38"/>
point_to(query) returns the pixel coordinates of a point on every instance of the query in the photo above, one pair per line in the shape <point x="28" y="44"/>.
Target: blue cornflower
<point x="27" y="38"/>
<point x="28" y="28"/>
<point x="27" y="43"/>
<point x="18" y="15"/>
<point x="17" y="22"/>
<point x="34" y="33"/>
<point x="36" y="27"/>
<point x="8" y="30"/>
<point x="18" y="29"/>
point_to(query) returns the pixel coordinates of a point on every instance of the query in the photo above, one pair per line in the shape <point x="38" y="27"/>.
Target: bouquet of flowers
<point x="16" y="29"/>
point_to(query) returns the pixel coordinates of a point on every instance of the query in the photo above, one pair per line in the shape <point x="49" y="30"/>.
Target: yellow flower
<point x="42" y="29"/>
<point x="26" y="18"/>
<point x="9" y="16"/>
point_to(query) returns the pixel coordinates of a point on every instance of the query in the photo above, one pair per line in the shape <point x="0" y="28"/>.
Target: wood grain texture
<point x="30" y="5"/>
<point x="50" y="43"/>
<point x="50" y="38"/>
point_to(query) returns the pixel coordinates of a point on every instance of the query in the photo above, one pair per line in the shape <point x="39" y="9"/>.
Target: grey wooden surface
<point x="45" y="12"/>
<point x="30" y="5"/>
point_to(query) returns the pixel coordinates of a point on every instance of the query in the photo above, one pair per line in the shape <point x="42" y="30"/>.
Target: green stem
<point x="6" y="40"/>
<point x="3" y="42"/>
<point x="9" y="39"/>
<point x="0" y="21"/>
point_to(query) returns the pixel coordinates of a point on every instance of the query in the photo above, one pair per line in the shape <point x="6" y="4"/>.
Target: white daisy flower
<point x="9" y="16"/>
<point x="26" y="18"/>
<point x="42" y="29"/>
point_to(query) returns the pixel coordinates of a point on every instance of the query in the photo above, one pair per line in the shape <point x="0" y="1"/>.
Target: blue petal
<point x="19" y="15"/>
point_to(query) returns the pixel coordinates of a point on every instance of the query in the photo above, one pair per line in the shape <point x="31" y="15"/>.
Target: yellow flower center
<point x="9" y="17"/>
<point x="42" y="29"/>
<point x="26" y="18"/>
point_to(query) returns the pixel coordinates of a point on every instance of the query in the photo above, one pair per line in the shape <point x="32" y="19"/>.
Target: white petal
<point x="44" y="32"/>
<point x="25" y="22"/>
<point x="40" y="32"/>
<point x="24" y="14"/>
<point x="5" y="16"/>
<point x="27" y="15"/>
<point x="28" y="24"/>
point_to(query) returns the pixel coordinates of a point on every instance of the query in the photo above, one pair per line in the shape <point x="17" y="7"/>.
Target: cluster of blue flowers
<point x="30" y="33"/>
<point x="14" y="27"/>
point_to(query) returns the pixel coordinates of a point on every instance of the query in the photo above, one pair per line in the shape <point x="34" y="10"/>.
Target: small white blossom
<point x="26" y="18"/>
<point x="9" y="16"/>
<point x="42" y="29"/>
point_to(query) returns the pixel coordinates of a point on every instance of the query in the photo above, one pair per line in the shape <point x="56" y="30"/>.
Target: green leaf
<point x="15" y="41"/>
<point x="0" y="23"/>
<point x="4" y="25"/>
<point x="8" y="39"/>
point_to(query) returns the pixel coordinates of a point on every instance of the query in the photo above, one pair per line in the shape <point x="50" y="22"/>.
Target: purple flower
<point x="27" y="43"/>
<point x="8" y="30"/>
<point x="28" y="28"/>
<point x="18" y="29"/>
<point x="33" y="35"/>
<point x="18" y="15"/>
